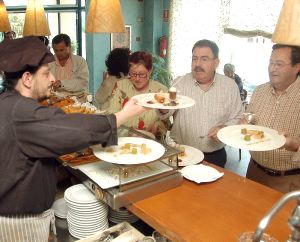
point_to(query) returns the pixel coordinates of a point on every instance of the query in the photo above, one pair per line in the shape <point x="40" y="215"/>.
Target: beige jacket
<point x="80" y="76"/>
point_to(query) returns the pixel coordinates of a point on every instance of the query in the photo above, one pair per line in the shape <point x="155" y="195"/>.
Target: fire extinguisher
<point x="163" y="44"/>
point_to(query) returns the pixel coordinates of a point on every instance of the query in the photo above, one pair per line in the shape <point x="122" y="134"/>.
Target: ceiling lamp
<point x="35" y="19"/>
<point x="105" y="16"/>
<point x="4" y="22"/>
<point x="287" y="30"/>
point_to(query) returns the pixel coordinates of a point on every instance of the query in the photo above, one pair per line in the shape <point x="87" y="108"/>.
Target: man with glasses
<point x="218" y="104"/>
<point x="276" y="104"/>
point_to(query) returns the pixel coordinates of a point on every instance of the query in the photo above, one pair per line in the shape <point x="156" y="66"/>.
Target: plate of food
<point x="189" y="155"/>
<point x="251" y="137"/>
<point x="130" y="151"/>
<point x="163" y="100"/>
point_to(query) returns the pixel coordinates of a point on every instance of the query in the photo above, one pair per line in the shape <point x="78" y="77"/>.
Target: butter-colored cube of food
<point x="145" y="150"/>
<point x="126" y="146"/>
<point x="244" y="131"/>
<point x="262" y="134"/>
<point x="134" y="151"/>
<point x="247" y="137"/>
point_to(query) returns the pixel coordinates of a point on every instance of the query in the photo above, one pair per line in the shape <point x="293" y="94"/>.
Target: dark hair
<point x="62" y="38"/>
<point x="44" y="39"/>
<point x="117" y="62"/>
<point x="295" y="53"/>
<point x="10" y="79"/>
<point x="7" y="33"/>
<point x="141" y="57"/>
<point x="207" y="43"/>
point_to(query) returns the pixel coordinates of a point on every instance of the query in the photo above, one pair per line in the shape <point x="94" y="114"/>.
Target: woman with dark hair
<point x="139" y="82"/>
<point x="117" y="69"/>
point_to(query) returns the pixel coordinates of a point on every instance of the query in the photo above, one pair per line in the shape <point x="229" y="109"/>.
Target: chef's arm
<point x="130" y="110"/>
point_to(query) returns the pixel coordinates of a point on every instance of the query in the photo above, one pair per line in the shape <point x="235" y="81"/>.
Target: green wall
<point x="147" y="25"/>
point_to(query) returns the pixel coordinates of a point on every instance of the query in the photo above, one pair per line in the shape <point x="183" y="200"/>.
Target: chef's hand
<point x="130" y="110"/>
<point x="292" y="143"/>
<point x="212" y="133"/>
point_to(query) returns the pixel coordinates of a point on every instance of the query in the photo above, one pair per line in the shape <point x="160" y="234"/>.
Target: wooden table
<point x="213" y="212"/>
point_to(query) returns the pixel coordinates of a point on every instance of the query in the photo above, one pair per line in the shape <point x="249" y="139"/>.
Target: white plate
<point x="157" y="150"/>
<point x="88" y="217"/>
<point x="60" y="208"/>
<point x="192" y="157"/>
<point x="182" y="101"/>
<point x="231" y="135"/>
<point x="80" y="234"/>
<point x="80" y="194"/>
<point x="201" y="173"/>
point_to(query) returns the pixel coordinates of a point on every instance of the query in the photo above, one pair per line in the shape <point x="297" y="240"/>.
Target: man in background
<point x="218" y="104"/>
<point x="229" y="70"/>
<point x="70" y="71"/>
<point x="276" y="104"/>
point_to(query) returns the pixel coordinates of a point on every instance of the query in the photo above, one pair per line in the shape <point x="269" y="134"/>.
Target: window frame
<point x="77" y="8"/>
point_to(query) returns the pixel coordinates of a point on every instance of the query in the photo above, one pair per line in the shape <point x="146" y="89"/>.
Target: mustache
<point x="198" y="68"/>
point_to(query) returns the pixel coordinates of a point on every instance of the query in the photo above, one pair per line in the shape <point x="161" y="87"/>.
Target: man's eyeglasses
<point x="278" y="64"/>
<point x="203" y="59"/>
<point x="140" y="75"/>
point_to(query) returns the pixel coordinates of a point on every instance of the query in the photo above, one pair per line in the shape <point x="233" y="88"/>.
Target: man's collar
<point x="209" y="86"/>
<point x="289" y="89"/>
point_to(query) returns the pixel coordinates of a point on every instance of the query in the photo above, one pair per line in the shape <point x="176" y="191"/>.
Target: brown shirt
<point x="31" y="137"/>
<point x="281" y="113"/>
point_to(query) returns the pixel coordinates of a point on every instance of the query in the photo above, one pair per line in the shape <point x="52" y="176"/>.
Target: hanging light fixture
<point x="35" y="19"/>
<point x="105" y="16"/>
<point x="287" y="30"/>
<point x="4" y="22"/>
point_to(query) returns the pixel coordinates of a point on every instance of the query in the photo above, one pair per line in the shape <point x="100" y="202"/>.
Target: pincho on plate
<point x="251" y="137"/>
<point x="161" y="100"/>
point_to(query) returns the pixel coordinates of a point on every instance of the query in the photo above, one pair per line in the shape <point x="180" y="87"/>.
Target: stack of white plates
<point x="86" y="215"/>
<point x="123" y="215"/>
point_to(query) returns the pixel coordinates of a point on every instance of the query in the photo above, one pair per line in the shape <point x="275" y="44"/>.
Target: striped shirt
<point x="63" y="72"/>
<point x="281" y="113"/>
<point x="27" y="228"/>
<point x="219" y="105"/>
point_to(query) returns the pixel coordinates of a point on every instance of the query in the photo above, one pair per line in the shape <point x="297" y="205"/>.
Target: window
<point x="64" y="16"/>
<point x="235" y="26"/>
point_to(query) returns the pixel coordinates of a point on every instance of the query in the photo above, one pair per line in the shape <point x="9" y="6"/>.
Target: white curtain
<point x="192" y="20"/>
<point x="252" y="17"/>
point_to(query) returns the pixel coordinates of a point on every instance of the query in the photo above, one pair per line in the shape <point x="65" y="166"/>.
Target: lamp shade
<point x="287" y="30"/>
<point x="4" y="22"/>
<point x="105" y="16"/>
<point x="35" y="19"/>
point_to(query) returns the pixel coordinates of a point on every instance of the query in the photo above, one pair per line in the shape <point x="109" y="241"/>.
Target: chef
<point x="32" y="136"/>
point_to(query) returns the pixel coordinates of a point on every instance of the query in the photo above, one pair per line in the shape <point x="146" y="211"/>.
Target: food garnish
<point x="160" y="98"/>
<point x="133" y="149"/>
<point x="249" y="133"/>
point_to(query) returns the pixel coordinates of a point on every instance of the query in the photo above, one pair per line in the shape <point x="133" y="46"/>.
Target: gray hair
<point x="229" y="66"/>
